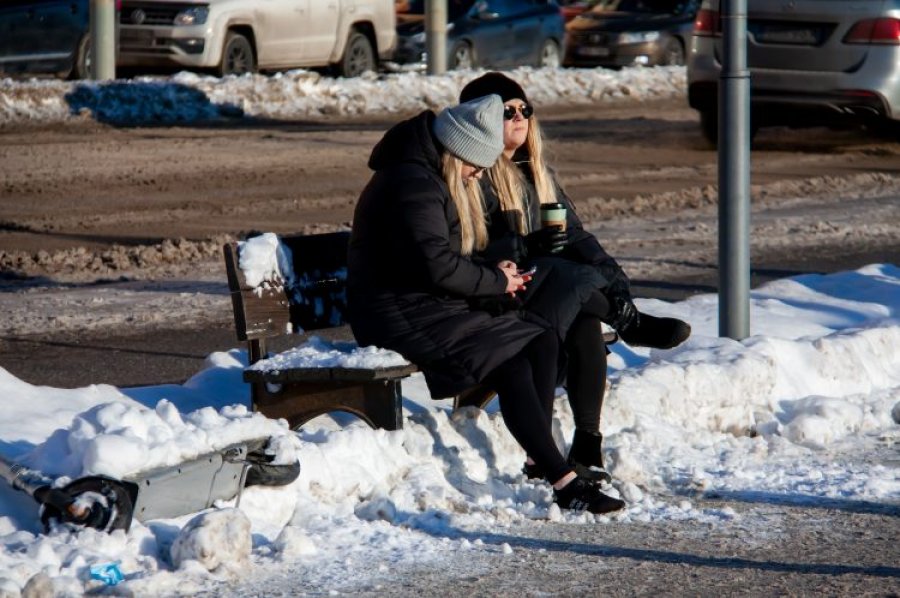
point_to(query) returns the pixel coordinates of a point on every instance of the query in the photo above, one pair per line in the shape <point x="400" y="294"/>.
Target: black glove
<point x="546" y="241"/>
<point x="622" y="312"/>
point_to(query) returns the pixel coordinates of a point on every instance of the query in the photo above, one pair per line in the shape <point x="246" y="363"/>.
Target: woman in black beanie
<point x="514" y="190"/>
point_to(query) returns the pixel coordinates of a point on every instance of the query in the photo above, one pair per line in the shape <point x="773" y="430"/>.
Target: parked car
<point x="811" y="62"/>
<point x="240" y="36"/>
<point x="485" y="33"/>
<point x="631" y="32"/>
<point x="45" y="37"/>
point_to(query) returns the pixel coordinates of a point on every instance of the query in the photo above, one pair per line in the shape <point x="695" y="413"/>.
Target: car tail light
<point x="875" y="31"/>
<point x="707" y="23"/>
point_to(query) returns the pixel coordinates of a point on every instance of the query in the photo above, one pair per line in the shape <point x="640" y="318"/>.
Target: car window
<point x="504" y="8"/>
<point x="455" y="8"/>
<point x="675" y="7"/>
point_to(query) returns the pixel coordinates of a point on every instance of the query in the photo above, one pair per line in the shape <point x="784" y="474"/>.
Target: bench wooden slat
<point x="329" y="374"/>
<point x="258" y="312"/>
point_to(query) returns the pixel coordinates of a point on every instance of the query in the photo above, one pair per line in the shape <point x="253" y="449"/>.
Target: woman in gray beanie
<point x="412" y="272"/>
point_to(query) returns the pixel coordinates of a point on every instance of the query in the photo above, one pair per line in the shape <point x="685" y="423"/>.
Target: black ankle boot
<point x="586" y="457"/>
<point x="658" y="333"/>
<point x="582" y="495"/>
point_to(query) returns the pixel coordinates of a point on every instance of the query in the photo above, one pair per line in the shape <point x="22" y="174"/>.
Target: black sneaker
<point x="582" y="495"/>
<point x="592" y="473"/>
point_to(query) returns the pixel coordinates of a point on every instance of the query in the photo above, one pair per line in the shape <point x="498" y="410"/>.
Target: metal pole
<point x="436" y="35"/>
<point x="103" y="40"/>
<point x="734" y="174"/>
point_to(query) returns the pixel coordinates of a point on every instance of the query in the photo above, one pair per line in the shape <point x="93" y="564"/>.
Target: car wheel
<point x="461" y="57"/>
<point x="237" y="56"/>
<point x="673" y="53"/>
<point x="81" y="64"/>
<point x="550" y="56"/>
<point x="359" y="56"/>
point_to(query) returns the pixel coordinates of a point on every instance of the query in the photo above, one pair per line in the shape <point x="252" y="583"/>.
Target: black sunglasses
<point x="509" y="112"/>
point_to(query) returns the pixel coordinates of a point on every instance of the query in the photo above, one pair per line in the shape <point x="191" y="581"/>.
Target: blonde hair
<point x="534" y="144"/>
<point x="469" y="204"/>
<point x="509" y="182"/>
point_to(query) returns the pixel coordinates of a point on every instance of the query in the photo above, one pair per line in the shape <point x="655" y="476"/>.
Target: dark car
<point x="485" y="33"/>
<point x="45" y="37"/>
<point x="631" y="32"/>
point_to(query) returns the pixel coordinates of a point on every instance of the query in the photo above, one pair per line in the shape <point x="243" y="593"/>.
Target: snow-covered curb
<point x="188" y="97"/>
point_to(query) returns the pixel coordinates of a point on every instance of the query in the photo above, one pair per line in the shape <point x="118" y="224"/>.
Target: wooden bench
<point x="318" y="301"/>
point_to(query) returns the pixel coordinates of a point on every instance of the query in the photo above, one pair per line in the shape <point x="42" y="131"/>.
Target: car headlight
<point x="638" y="37"/>
<point x="192" y="16"/>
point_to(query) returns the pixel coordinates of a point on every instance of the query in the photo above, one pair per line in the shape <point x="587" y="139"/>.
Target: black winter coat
<point x="564" y="281"/>
<point x="407" y="282"/>
<point x="507" y="243"/>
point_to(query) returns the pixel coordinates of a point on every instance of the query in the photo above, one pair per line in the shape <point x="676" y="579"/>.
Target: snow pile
<point x="807" y="407"/>
<point x="123" y="438"/>
<point x="188" y="97"/>
<point x="318" y="352"/>
<point x="265" y="258"/>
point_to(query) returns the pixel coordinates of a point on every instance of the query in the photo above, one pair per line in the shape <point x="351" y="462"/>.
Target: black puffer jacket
<point x="506" y="243"/>
<point x="407" y="281"/>
<point x="564" y="281"/>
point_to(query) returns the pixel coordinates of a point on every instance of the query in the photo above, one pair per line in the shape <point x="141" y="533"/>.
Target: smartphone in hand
<point x="529" y="272"/>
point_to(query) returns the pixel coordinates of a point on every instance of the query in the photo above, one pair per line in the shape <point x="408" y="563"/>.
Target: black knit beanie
<point x="493" y="82"/>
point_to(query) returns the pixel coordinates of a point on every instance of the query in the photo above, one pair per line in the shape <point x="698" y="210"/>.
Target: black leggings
<point x="526" y="386"/>
<point x="586" y="376"/>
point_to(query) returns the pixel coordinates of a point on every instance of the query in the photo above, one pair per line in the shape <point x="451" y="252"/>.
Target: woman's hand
<point x="514" y="281"/>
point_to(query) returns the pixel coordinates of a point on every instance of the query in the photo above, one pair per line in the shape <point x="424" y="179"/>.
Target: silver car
<point x="811" y="62"/>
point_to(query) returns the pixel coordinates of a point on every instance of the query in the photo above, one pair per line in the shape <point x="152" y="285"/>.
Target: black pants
<point x="586" y="375"/>
<point x="526" y="386"/>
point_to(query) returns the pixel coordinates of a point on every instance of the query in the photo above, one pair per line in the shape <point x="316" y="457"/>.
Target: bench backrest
<point x="316" y="300"/>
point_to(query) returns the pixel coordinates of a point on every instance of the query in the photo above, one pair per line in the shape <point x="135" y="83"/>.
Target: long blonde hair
<point x="509" y="183"/>
<point x="469" y="204"/>
<point x="534" y="145"/>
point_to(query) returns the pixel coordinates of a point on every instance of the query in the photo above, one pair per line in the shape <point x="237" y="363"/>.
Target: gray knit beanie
<point x="473" y="131"/>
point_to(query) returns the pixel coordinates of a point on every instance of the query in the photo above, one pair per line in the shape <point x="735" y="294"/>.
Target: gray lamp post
<point x="436" y="35"/>
<point x="734" y="174"/>
<point x="103" y="40"/>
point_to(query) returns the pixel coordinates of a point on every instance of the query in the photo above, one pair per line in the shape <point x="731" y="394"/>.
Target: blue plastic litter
<point x="108" y="573"/>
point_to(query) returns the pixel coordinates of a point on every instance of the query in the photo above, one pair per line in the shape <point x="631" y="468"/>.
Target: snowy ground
<point x="789" y="412"/>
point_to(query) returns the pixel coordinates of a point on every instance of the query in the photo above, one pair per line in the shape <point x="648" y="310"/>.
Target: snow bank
<point x="189" y="97"/>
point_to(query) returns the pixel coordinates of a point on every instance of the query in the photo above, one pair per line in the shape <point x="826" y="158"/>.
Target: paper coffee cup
<point x="553" y="214"/>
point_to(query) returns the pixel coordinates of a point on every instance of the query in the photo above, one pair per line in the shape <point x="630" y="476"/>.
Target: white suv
<point x="811" y="62"/>
<point x="239" y="36"/>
